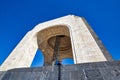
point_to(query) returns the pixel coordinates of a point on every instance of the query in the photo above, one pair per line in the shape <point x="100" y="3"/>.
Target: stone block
<point x="93" y="74"/>
<point x="2" y="73"/>
<point x="77" y="75"/>
<point x="87" y="71"/>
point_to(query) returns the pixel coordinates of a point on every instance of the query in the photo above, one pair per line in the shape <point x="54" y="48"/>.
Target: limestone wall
<point x="85" y="47"/>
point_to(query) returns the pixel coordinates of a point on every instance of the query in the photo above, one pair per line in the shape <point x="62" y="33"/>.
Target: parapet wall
<point x="87" y="71"/>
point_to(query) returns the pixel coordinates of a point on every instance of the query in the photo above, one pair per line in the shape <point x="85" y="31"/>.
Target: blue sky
<point x="19" y="16"/>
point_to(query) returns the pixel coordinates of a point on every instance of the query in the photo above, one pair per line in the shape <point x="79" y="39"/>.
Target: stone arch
<point x="86" y="46"/>
<point x="46" y="40"/>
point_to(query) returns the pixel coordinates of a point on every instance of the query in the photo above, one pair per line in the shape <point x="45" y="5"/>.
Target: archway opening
<point x="67" y="61"/>
<point x="47" y="43"/>
<point x="38" y="59"/>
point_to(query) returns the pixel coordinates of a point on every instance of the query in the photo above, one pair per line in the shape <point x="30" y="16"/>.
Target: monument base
<point x="109" y="70"/>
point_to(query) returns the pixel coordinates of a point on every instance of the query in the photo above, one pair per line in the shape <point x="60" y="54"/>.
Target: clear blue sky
<point x="19" y="16"/>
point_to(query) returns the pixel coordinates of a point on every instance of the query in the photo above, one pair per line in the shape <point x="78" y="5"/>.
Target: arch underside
<point x="46" y="43"/>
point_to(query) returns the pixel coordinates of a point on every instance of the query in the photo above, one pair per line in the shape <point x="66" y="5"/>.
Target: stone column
<point x="23" y="54"/>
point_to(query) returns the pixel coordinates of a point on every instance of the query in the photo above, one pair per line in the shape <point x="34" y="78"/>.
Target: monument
<point x="66" y="37"/>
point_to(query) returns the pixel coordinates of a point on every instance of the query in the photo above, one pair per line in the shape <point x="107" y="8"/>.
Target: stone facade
<point x="83" y="44"/>
<point x="109" y="70"/>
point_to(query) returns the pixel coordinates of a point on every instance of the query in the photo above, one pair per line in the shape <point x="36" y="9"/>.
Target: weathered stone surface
<point x="2" y="73"/>
<point x="87" y="71"/>
<point x="93" y="74"/>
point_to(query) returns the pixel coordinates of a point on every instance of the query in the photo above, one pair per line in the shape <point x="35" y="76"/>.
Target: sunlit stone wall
<point x="86" y="47"/>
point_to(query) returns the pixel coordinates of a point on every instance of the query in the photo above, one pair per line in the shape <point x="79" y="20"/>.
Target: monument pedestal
<point x="109" y="70"/>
